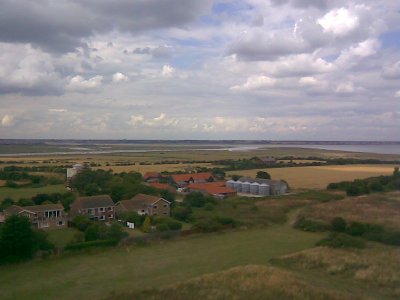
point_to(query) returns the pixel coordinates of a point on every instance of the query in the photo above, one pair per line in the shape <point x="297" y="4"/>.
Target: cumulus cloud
<point x="255" y="82"/>
<point x="167" y="71"/>
<point x="78" y="83"/>
<point x="119" y="77"/>
<point x="7" y="121"/>
<point x="339" y="22"/>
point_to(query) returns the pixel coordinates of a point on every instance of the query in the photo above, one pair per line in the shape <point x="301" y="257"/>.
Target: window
<point x="60" y="223"/>
<point x="102" y="217"/>
<point x="110" y="209"/>
<point x="110" y="216"/>
<point x="101" y="209"/>
<point x="90" y="211"/>
<point x="165" y="205"/>
<point x="155" y="206"/>
<point x="165" y="213"/>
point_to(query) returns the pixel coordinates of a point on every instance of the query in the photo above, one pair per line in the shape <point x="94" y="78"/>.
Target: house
<point x="183" y="180"/>
<point x="71" y="172"/>
<point x="152" y="177"/>
<point x="144" y="205"/>
<point x="215" y="189"/>
<point x="100" y="207"/>
<point x="45" y="216"/>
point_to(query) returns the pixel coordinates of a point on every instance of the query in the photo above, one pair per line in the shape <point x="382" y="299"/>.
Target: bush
<point x="92" y="244"/>
<point x="81" y="222"/>
<point x="310" y="225"/>
<point x="181" y="213"/>
<point x="92" y="232"/>
<point x="175" y="225"/>
<point x="338" y="224"/>
<point x="207" y="225"/>
<point x="162" y="227"/>
<point x="340" y="240"/>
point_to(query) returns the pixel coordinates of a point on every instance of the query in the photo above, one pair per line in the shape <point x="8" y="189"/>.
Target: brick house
<point x="144" y="205"/>
<point x="152" y="177"/>
<point x="99" y="208"/>
<point x="46" y="216"/>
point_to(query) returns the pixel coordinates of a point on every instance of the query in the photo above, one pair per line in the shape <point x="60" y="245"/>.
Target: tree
<point x="81" y="222"/>
<point x="146" y="224"/>
<point x="181" y="213"/>
<point x="92" y="233"/>
<point x="17" y="240"/>
<point x="194" y="199"/>
<point x="338" y="224"/>
<point x="236" y="177"/>
<point x="263" y="175"/>
<point x="167" y="195"/>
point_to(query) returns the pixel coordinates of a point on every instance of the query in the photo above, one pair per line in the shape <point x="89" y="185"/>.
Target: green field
<point x="61" y="237"/>
<point x="28" y="192"/>
<point x="136" y="268"/>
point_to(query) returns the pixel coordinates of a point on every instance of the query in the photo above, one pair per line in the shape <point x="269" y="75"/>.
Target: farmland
<point x="319" y="177"/>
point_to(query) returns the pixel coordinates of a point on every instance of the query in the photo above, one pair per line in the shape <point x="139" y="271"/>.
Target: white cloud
<point x="79" y="83"/>
<point x="7" y="121"/>
<point x="345" y="88"/>
<point x="307" y="81"/>
<point x="255" y="82"/>
<point x="57" y="110"/>
<point x="392" y="71"/>
<point x="366" y="48"/>
<point x="339" y="22"/>
<point x="160" y="117"/>
<point x="119" y="77"/>
<point x="167" y="71"/>
<point x="397" y="94"/>
<point x="136" y="120"/>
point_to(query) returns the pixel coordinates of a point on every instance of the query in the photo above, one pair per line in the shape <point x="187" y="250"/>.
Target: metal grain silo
<point x="246" y="187"/>
<point x="237" y="186"/>
<point x="230" y="184"/>
<point x="263" y="189"/>
<point x="254" y="188"/>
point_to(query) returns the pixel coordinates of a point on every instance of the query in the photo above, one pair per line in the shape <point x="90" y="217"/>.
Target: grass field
<point x="96" y="275"/>
<point x="28" y="192"/>
<point x="373" y="273"/>
<point x="244" y="282"/>
<point x="320" y="176"/>
<point x="382" y="209"/>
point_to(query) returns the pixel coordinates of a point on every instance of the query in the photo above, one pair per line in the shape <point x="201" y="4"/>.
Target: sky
<point x="200" y="69"/>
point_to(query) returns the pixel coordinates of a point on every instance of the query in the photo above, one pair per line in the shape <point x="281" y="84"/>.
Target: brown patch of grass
<point x="382" y="209"/>
<point x="244" y="282"/>
<point x="376" y="267"/>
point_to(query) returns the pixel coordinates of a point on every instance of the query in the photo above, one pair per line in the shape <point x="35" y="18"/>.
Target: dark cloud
<point x="61" y="26"/>
<point x="320" y="4"/>
<point x="157" y="52"/>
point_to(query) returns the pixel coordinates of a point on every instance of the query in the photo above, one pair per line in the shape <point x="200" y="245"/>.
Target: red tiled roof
<point x="195" y="176"/>
<point x="148" y="175"/>
<point x="161" y="186"/>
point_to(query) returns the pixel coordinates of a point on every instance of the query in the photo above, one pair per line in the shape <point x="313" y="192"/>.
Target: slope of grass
<point x="245" y="282"/>
<point x="136" y="268"/>
<point x="28" y="192"/>
<point x="372" y="272"/>
<point x="61" y="237"/>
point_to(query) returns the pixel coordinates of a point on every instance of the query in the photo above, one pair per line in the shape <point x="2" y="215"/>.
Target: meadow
<point x="318" y="177"/>
<point x="135" y="268"/>
<point x="29" y="192"/>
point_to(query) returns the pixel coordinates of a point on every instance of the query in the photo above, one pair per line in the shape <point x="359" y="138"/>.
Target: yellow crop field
<point x="155" y="168"/>
<point x="319" y="177"/>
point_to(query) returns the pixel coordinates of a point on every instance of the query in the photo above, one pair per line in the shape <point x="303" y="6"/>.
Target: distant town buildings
<point x="144" y="205"/>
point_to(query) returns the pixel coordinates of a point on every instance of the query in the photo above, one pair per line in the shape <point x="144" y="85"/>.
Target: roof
<point x="260" y="181"/>
<point x="195" y="176"/>
<point x="161" y="186"/>
<point x="149" y="175"/>
<point x="140" y="201"/>
<point x="212" y="188"/>
<point x="94" y="201"/>
<point x="15" y="209"/>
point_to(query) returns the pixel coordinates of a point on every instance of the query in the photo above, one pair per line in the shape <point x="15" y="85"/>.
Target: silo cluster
<point x="250" y="186"/>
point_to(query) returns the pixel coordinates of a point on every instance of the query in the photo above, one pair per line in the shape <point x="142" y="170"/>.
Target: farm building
<point x="215" y="189"/>
<point x="257" y="186"/>
<point x="183" y="180"/>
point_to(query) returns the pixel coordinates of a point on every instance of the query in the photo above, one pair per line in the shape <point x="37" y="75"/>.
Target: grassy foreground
<point x="136" y="268"/>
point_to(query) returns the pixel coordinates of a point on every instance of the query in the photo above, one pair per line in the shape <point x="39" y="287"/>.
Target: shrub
<point x="162" y="227"/>
<point x="341" y="240"/>
<point x="207" y="225"/>
<point x="81" y="222"/>
<point x="92" y="232"/>
<point x="310" y="225"/>
<point x="175" y="225"/>
<point x="181" y="213"/>
<point x="338" y="224"/>
<point x="92" y="244"/>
